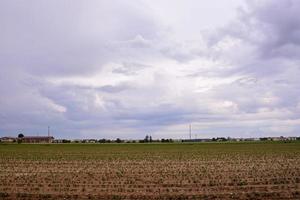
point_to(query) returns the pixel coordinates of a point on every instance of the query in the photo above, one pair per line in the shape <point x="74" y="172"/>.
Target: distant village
<point x="148" y="139"/>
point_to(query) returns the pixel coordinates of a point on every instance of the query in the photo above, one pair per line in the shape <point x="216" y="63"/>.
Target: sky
<point x="130" y="68"/>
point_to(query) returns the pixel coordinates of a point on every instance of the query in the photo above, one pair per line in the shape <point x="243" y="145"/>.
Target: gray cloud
<point x="63" y="38"/>
<point x="114" y="69"/>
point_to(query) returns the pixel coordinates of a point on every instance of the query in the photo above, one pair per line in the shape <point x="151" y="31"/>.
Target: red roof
<point x="7" y="138"/>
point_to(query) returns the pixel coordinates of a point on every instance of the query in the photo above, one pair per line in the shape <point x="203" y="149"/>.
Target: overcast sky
<point x="127" y="68"/>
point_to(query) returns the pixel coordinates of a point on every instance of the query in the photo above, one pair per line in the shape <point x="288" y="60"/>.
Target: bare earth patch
<point x="150" y="171"/>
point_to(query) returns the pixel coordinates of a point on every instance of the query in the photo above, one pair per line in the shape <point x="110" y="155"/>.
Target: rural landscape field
<point x="149" y="99"/>
<point x="238" y="170"/>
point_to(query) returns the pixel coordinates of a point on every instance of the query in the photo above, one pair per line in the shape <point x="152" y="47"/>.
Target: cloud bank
<point x="102" y="69"/>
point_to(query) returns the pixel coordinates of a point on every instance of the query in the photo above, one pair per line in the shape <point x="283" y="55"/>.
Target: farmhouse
<point x="8" y="139"/>
<point x="37" y="139"/>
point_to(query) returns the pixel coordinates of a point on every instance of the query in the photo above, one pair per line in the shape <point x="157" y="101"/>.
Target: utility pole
<point x="190" y="131"/>
<point x="48" y="134"/>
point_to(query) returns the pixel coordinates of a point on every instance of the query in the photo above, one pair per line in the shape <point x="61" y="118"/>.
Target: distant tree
<point x="263" y="139"/>
<point x="150" y="138"/>
<point x="102" y="141"/>
<point x="146" y="138"/>
<point x="166" y="140"/>
<point x="20" y="138"/>
<point x="118" y="140"/>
